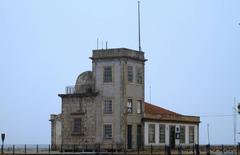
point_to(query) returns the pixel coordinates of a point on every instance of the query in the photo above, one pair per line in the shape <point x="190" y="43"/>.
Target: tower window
<point x="107" y="131"/>
<point x="139" y="106"/>
<point x="107" y="74"/>
<point x="130" y="74"/>
<point x="139" y="76"/>
<point x="108" y="106"/>
<point x="130" y="106"/>
<point x="77" y="123"/>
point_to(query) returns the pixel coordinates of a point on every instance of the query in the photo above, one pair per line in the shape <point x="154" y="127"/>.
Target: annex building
<point x="107" y="106"/>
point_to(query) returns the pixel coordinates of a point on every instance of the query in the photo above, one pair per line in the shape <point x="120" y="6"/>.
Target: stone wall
<point x="79" y="106"/>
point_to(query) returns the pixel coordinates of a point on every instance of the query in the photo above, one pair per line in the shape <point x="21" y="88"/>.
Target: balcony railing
<point x="85" y="88"/>
<point x="70" y="90"/>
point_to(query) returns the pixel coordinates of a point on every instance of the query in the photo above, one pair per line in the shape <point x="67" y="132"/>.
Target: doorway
<point x="139" y="136"/>
<point x="129" y="137"/>
<point x="172" y="137"/>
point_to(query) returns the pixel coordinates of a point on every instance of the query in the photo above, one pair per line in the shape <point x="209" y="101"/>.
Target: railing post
<point x="208" y="149"/>
<point x="222" y="149"/>
<point x="179" y="150"/>
<point x="138" y="149"/>
<point x="193" y="149"/>
<point x="37" y="148"/>
<point x="13" y="149"/>
<point x="49" y="149"/>
<point x="197" y="149"/>
<point x="112" y="149"/>
<point x="165" y="149"/>
<point x="2" y="149"/>
<point x="99" y="148"/>
<point x="237" y="149"/>
<point x="168" y="150"/>
<point x="61" y="149"/>
<point x="25" y="149"/>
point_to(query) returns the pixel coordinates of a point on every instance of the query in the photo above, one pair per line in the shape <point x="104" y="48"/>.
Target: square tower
<point x="118" y="76"/>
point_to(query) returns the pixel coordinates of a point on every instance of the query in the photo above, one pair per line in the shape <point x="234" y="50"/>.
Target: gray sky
<point x="192" y="47"/>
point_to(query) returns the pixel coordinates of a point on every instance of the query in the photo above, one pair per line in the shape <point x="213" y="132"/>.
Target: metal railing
<point x="121" y="149"/>
<point x="84" y="88"/>
<point x="70" y="90"/>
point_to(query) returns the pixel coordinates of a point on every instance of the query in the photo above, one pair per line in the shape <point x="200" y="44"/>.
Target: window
<point x="151" y="133"/>
<point x="130" y="74"/>
<point x="139" y="76"/>
<point x="107" y="75"/>
<point x="191" y="134"/>
<point x="107" y="131"/>
<point x="161" y="133"/>
<point x="130" y="106"/>
<point x="139" y="106"/>
<point x="182" y="134"/>
<point x="108" y="106"/>
<point x="77" y="122"/>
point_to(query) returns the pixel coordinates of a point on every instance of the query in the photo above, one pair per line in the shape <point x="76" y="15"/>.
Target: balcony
<point x="79" y="89"/>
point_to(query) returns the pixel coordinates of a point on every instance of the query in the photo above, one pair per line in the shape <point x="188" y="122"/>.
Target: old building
<point x="106" y="106"/>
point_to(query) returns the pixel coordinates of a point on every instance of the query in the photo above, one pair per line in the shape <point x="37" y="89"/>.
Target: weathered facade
<point x="106" y="106"/>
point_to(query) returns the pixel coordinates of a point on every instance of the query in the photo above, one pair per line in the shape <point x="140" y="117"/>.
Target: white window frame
<point x="130" y="105"/>
<point x="162" y="136"/>
<point x="107" y="76"/>
<point x="130" y="74"/>
<point x="139" y="106"/>
<point x="191" y="134"/>
<point x="108" y="106"/>
<point x="105" y="134"/>
<point x="153" y="140"/>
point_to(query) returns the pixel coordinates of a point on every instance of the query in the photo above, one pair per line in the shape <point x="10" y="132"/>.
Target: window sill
<point x="107" y="83"/>
<point x="107" y="113"/>
<point x="77" y="134"/>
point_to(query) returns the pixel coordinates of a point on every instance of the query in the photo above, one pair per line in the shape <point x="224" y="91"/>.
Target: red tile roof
<point x="153" y="109"/>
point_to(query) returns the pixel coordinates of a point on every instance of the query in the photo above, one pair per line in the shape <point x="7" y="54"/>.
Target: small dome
<point x="84" y="83"/>
<point x="84" y="78"/>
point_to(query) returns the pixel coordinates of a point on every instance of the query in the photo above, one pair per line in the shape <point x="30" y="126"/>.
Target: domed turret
<point x="84" y="83"/>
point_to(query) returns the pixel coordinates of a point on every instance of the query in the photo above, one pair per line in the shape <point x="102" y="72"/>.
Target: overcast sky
<point x="192" y="47"/>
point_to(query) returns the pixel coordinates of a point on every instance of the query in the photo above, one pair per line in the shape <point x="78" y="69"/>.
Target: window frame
<point x="139" y="106"/>
<point x="107" y="74"/>
<point x="108" y="102"/>
<point x="191" y="134"/>
<point x="151" y="140"/>
<point x="130" y="106"/>
<point x="162" y="134"/>
<point x="182" y="139"/>
<point x="77" y="125"/>
<point x="130" y="74"/>
<point x="105" y="133"/>
<point x="139" y="75"/>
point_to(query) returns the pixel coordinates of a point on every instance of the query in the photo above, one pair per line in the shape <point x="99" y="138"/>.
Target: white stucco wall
<point x="167" y="133"/>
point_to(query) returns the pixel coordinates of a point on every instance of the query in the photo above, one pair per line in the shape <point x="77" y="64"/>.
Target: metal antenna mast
<point x="234" y="121"/>
<point x="150" y="94"/>
<point x="139" y="28"/>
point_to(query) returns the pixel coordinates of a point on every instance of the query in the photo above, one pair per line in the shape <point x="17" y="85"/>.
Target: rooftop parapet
<point x="118" y="53"/>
